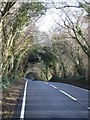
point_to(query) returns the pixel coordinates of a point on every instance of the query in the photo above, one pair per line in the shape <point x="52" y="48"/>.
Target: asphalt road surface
<point x="49" y="100"/>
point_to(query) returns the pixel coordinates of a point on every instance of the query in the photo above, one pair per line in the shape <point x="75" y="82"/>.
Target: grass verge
<point x="9" y="99"/>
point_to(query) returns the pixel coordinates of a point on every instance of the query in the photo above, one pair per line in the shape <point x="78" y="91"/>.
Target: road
<point x="51" y="100"/>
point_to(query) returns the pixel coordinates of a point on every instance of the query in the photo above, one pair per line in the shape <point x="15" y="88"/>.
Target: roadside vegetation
<point x="64" y="52"/>
<point x="17" y="26"/>
<point x="64" y="56"/>
<point x="61" y="55"/>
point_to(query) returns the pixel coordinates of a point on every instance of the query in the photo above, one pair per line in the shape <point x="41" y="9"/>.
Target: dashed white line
<point x="68" y="95"/>
<point x="88" y="108"/>
<point x="53" y="86"/>
<point x="23" y="103"/>
<point x="64" y="93"/>
<point x="46" y="82"/>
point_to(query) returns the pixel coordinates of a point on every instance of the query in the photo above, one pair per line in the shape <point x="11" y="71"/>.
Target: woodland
<point x="61" y="55"/>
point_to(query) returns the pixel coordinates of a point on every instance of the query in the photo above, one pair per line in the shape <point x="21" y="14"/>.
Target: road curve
<point x="49" y="100"/>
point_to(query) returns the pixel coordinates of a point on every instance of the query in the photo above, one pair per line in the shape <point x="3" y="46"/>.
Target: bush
<point x="69" y="79"/>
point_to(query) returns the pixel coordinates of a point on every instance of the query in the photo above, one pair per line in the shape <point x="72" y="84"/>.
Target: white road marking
<point x="23" y="103"/>
<point x="46" y="82"/>
<point x="68" y="95"/>
<point x="64" y="93"/>
<point x="53" y="86"/>
<point x="88" y="108"/>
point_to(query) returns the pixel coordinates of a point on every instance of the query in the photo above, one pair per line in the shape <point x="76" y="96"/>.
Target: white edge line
<point x="68" y="95"/>
<point x="23" y="103"/>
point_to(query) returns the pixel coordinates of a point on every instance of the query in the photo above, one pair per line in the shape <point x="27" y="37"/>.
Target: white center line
<point x="46" y="82"/>
<point x="23" y="103"/>
<point x="88" y="108"/>
<point x="68" y="95"/>
<point x="53" y="86"/>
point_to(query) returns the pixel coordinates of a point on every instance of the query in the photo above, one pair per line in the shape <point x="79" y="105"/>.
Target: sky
<point x="47" y="22"/>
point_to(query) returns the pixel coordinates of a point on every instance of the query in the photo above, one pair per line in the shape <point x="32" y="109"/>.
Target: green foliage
<point x="79" y="30"/>
<point x="86" y="6"/>
<point x="85" y="47"/>
<point x="32" y="75"/>
<point x="15" y="50"/>
<point x="47" y="55"/>
<point x="5" y="83"/>
<point x="33" y="57"/>
<point x="27" y="11"/>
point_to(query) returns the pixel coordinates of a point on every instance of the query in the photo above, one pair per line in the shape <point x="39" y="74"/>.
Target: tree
<point x="69" y="54"/>
<point x="17" y="36"/>
<point x="48" y="59"/>
<point x="75" y="29"/>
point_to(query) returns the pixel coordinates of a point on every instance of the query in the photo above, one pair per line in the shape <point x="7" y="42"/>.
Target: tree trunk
<point x="89" y="72"/>
<point x="64" y="70"/>
<point x="89" y="49"/>
<point x="46" y="71"/>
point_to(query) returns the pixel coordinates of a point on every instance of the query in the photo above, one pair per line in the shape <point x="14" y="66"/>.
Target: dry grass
<point x="10" y="98"/>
